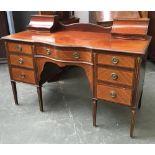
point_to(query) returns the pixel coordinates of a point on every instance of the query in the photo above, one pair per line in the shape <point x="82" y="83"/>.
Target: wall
<point x="21" y="19"/>
<point x="83" y="15"/>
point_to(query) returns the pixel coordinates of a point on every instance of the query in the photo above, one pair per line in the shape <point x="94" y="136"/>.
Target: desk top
<point x="90" y="36"/>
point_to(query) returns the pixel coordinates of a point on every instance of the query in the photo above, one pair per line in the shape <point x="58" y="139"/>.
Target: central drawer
<point x="115" y="76"/>
<point x="21" y="60"/>
<point x="114" y="94"/>
<point x="68" y="54"/>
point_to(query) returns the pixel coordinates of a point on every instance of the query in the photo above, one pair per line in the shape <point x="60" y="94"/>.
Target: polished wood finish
<point x="68" y="54"/>
<point x="23" y="75"/>
<point x="114" y="66"/>
<point x="131" y="26"/>
<point x="19" y="47"/>
<point x="123" y="95"/>
<point x="123" y="61"/>
<point x="21" y="61"/>
<point x="115" y="76"/>
<point x="50" y="22"/>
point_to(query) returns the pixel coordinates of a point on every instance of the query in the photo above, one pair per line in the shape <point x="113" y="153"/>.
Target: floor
<point x="67" y="117"/>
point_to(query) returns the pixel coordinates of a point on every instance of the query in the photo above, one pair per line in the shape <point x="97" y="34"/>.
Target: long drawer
<point x="115" y="76"/>
<point x="67" y="54"/>
<point x="116" y="60"/>
<point x="114" y="94"/>
<point x="23" y="75"/>
<point x="21" y="60"/>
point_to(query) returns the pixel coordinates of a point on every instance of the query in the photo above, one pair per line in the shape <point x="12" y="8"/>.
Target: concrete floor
<point x="67" y="117"/>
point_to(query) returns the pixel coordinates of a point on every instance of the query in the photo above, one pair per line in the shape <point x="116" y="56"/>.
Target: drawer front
<point x="46" y="51"/>
<point x="115" y="76"/>
<point x="23" y="75"/>
<point x="116" y="60"/>
<point x="22" y="61"/>
<point x="19" y="47"/>
<point x="65" y="54"/>
<point x="114" y="94"/>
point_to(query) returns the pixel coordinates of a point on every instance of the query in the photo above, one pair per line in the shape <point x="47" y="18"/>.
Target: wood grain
<point x="16" y="59"/>
<point x="19" y="47"/>
<point x="65" y="53"/>
<point x="124" y="95"/>
<point x="124" y="77"/>
<point x="23" y="75"/>
<point x="124" y="61"/>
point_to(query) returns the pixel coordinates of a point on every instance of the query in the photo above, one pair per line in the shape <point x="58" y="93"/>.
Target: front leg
<point x="94" y="111"/>
<point x="39" y="91"/>
<point x="133" y="117"/>
<point x="14" y="89"/>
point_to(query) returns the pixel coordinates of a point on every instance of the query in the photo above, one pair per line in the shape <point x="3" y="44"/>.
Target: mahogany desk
<point x="113" y="59"/>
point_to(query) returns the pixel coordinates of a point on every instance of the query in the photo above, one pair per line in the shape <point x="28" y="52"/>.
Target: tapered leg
<point x="39" y="91"/>
<point x="140" y="101"/>
<point x="14" y="89"/>
<point x="94" y="111"/>
<point x="133" y="117"/>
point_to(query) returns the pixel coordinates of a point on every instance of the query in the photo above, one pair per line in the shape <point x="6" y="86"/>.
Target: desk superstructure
<point x="112" y="58"/>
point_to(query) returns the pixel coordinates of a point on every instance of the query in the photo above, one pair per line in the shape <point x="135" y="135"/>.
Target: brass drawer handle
<point x="113" y="94"/>
<point x="22" y="76"/>
<point x="21" y="61"/>
<point x="115" y="60"/>
<point x="114" y="76"/>
<point x="48" y="51"/>
<point x="19" y="48"/>
<point x="76" y="55"/>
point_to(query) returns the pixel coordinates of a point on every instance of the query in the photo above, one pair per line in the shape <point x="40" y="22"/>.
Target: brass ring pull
<point x="76" y="55"/>
<point x="21" y="61"/>
<point x="22" y="76"/>
<point x="19" y="48"/>
<point x="113" y="94"/>
<point x="115" y="60"/>
<point x="114" y="76"/>
<point x="48" y="51"/>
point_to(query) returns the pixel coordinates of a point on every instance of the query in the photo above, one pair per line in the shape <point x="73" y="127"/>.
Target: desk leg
<point x="94" y="111"/>
<point x="14" y="89"/>
<point x="39" y="91"/>
<point x="140" y="101"/>
<point x="133" y="117"/>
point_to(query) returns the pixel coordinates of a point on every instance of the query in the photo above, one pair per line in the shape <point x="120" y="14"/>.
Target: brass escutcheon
<point x="76" y="55"/>
<point x="19" y="48"/>
<point x="114" y="76"/>
<point x="115" y="60"/>
<point x="21" y="61"/>
<point x="22" y="76"/>
<point x="113" y="94"/>
<point x="48" y="51"/>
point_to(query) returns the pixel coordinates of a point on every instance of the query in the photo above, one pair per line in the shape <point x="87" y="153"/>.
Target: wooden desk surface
<point x="92" y="40"/>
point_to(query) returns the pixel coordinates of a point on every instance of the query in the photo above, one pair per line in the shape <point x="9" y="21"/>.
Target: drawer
<point x="23" y="75"/>
<point x="67" y="54"/>
<point x="22" y="61"/>
<point x="114" y="94"/>
<point x="19" y="47"/>
<point x="116" y="60"/>
<point x="115" y="76"/>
